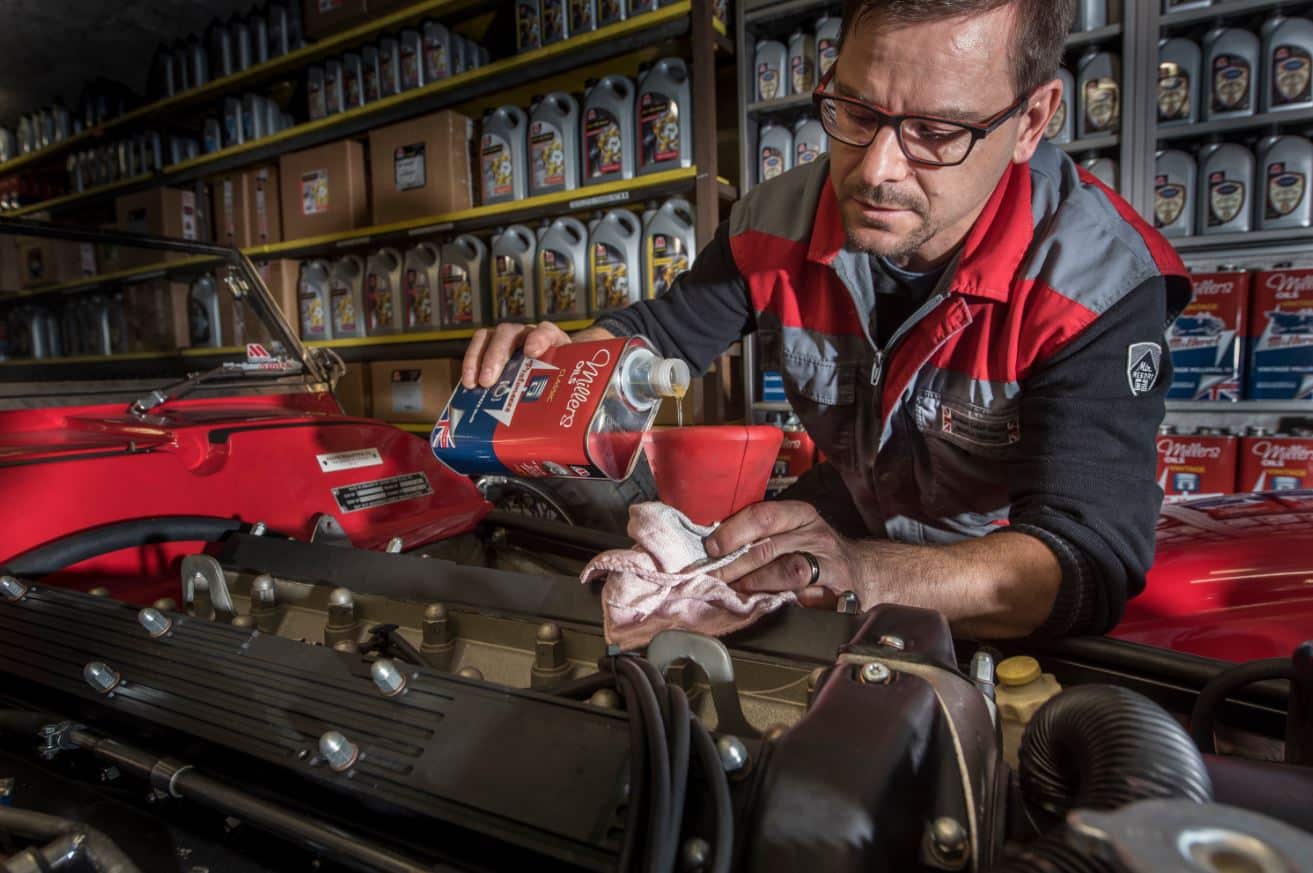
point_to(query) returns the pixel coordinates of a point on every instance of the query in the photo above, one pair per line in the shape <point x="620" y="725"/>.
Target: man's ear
<point x="1043" y="103"/>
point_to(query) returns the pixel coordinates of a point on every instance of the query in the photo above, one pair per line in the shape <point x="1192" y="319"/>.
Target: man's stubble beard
<point x="920" y="235"/>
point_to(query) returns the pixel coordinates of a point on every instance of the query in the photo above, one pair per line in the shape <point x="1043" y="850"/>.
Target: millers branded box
<point x="1281" y="331"/>
<point x="1207" y="339"/>
<point x="324" y="190"/>
<point x="1196" y="466"/>
<point x="421" y="167"/>
<point x="1276" y="463"/>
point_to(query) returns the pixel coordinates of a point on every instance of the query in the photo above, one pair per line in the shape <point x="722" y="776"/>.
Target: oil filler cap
<point x="1018" y="670"/>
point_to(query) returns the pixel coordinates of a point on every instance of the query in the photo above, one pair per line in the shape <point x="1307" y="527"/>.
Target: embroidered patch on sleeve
<point x="1143" y="364"/>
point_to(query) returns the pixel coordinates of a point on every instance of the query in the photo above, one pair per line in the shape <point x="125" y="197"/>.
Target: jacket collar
<point x="990" y="255"/>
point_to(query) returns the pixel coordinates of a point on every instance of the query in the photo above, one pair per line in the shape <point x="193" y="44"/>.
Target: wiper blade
<point x="275" y="369"/>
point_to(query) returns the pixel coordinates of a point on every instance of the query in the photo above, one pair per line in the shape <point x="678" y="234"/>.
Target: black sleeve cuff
<point x="1074" y="609"/>
<point x="615" y="326"/>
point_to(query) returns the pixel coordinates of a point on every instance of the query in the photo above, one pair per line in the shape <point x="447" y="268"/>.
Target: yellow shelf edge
<point x="119" y="275"/>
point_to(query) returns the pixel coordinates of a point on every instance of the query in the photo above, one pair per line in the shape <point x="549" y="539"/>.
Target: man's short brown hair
<point x="1037" y="41"/>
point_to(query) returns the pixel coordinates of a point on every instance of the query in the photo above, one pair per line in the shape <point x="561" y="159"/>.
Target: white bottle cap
<point x="669" y="377"/>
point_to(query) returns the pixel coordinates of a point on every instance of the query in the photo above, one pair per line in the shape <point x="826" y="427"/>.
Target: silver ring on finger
<point x="814" y="563"/>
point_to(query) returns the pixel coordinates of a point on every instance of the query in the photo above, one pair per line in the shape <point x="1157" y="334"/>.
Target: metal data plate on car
<point x="380" y="492"/>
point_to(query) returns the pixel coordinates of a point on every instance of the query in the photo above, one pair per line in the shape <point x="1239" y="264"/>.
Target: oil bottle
<point x="802" y="63"/>
<point x="1103" y="169"/>
<point x="614" y="254"/>
<point x="314" y="94"/>
<point x="774" y="152"/>
<point x="333" y="97"/>
<point x="665" y="117"/>
<point x="771" y="59"/>
<point x="1091" y="15"/>
<point x="389" y="67"/>
<point x="583" y="16"/>
<point x="412" y="60"/>
<point x="209" y="314"/>
<point x="1099" y="82"/>
<point x="555" y="21"/>
<point x="1062" y="123"/>
<point x="1178" y="81"/>
<point x="420" y="281"/>
<point x="1288" y="65"/>
<point x="243" y="53"/>
<point x="1285" y="170"/>
<point x="371" y="76"/>
<point x="346" y="284"/>
<point x="1225" y="180"/>
<point x="463" y="289"/>
<point x="827" y="44"/>
<point x="353" y="81"/>
<point x="502" y="155"/>
<point x="258" y="28"/>
<point x="1174" y="186"/>
<point x="219" y="40"/>
<point x="514" y="291"/>
<point x="314" y="301"/>
<point x="562" y="274"/>
<point x="608" y="129"/>
<point x="610" y="11"/>
<point x="669" y="244"/>
<point x="554" y="144"/>
<point x="1231" y="57"/>
<point x="384" y="301"/>
<point x="528" y="32"/>
<point x="809" y="141"/>
<point x="280" y="32"/>
<point x="437" y="51"/>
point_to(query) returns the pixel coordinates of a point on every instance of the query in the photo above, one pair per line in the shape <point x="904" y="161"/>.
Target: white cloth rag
<point x="664" y="582"/>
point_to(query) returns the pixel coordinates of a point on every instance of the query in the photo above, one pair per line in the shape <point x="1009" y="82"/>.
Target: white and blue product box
<point x="772" y="387"/>
<point x="1207" y="339"/>
<point x="1281" y="332"/>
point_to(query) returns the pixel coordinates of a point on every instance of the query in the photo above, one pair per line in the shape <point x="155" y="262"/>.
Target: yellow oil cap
<point x="1018" y="670"/>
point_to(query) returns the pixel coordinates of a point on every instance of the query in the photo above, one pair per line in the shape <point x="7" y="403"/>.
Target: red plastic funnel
<point x="710" y="473"/>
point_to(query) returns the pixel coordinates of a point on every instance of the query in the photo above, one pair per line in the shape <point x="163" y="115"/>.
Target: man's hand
<point x="491" y="348"/>
<point x="781" y="530"/>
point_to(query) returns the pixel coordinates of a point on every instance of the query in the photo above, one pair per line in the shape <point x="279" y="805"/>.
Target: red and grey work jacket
<point x="1025" y="394"/>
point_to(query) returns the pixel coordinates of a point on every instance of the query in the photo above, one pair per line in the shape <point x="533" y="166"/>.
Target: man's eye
<point x="931" y="132"/>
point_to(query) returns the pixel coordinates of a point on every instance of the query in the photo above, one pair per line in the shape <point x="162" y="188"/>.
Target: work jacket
<point x="1025" y="393"/>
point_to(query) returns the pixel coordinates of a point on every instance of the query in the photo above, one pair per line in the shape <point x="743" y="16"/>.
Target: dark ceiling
<point x="49" y="48"/>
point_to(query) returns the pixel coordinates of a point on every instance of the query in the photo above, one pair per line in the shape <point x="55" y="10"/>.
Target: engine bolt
<point x="948" y="840"/>
<point x="12" y="589"/>
<point x="342" y="621"/>
<point x="549" y="663"/>
<point x="875" y="673"/>
<point x="263" y="591"/>
<point x="341" y="597"/>
<point x="605" y="698"/>
<point x="166" y="604"/>
<point x="340" y="752"/>
<point x="470" y="673"/>
<point x="99" y="591"/>
<point x="733" y="754"/>
<point x="892" y="641"/>
<point x="394" y="546"/>
<point x="156" y="623"/>
<point x="101" y="677"/>
<point x="694" y="854"/>
<point x="387" y="677"/>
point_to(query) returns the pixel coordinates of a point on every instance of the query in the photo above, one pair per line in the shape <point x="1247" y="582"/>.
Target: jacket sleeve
<point x="1084" y="479"/>
<point x="703" y="312"/>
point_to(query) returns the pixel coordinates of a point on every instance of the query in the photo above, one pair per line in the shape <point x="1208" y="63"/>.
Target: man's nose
<point x="884" y="161"/>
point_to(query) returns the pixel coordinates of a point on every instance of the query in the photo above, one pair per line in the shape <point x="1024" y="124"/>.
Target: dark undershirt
<point x="899" y="296"/>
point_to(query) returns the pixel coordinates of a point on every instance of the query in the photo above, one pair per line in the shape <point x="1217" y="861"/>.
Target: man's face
<point x="957" y="69"/>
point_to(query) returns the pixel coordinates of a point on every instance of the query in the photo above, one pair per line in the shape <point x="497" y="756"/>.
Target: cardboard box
<point x="44" y="261"/>
<point x="281" y="279"/>
<point x="1281" y="336"/>
<point x="247" y="208"/>
<point x="1275" y="463"/>
<point x="421" y="167"/>
<point x="321" y="18"/>
<point x="1197" y="466"/>
<point x="323" y="190"/>
<point x="11" y="277"/>
<point x="155" y="315"/>
<point x="170" y="212"/>
<point x="413" y="391"/>
<point x="1207" y="340"/>
<point x="354" y="391"/>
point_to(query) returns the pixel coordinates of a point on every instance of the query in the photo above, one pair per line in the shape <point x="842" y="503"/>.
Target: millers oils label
<point x="827" y="52"/>
<point x="1169" y="201"/>
<point x="1275" y="463"/>
<point x="1285" y="190"/>
<point x="1232" y="78"/>
<point x="538" y="408"/>
<point x="659" y="128"/>
<point x="666" y="258"/>
<point x="610" y="278"/>
<point x="768" y="81"/>
<point x="603" y="143"/>
<point x="345" y="317"/>
<point x="508" y="298"/>
<point x="455" y="295"/>
<point x="559" y="293"/>
<point x="528" y="36"/>
<point x="547" y="153"/>
<point x="1281" y="329"/>
<point x="419" y="302"/>
<point x="1196" y="466"/>
<point x="1292" y="75"/>
<point x="498" y="168"/>
<point x="378" y="300"/>
<point x="314" y="320"/>
<point x="1102" y="104"/>
<point x="1226" y="199"/>
<point x="554" y="20"/>
<point x="1206" y="341"/>
<point x="801" y="74"/>
<point x="1173" y="92"/>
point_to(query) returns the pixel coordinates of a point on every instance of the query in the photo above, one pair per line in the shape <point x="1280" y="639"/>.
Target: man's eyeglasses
<point x="935" y="142"/>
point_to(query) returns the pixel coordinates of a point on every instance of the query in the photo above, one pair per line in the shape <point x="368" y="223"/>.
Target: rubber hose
<point x="77" y="547"/>
<point x="679" y="749"/>
<point x="1222" y="686"/>
<point x="658" y="759"/>
<point x="1052" y="853"/>
<point x="723" y="844"/>
<point x="637" y="775"/>
<point x="1101" y="747"/>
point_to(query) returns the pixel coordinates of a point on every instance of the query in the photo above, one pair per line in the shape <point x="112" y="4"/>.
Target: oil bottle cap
<point x="670" y="377"/>
<point x="1018" y="670"/>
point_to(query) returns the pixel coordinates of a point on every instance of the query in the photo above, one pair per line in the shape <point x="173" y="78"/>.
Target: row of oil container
<point x="1227" y="188"/>
<point x="781" y="147"/>
<point x="541" y="23"/>
<point x="1091" y="99"/>
<point x="1213" y="462"/>
<point x="782" y="69"/>
<point x="563" y="270"/>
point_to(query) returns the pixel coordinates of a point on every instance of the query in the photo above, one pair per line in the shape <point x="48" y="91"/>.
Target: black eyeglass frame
<point x="977" y="131"/>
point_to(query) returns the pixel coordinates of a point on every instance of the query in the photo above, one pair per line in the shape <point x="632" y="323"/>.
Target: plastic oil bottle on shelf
<point x="1099" y="85"/>
<point x="614" y="255"/>
<point x="665" y="117"/>
<point x="528" y="30"/>
<point x="1091" y="15"/>
<point x="610" y="12"/>
<point x="770" y="63"/>
<point x="774" y="152"/>
<point x="554" y="20"/>
<point x="209" y="315"/>
<point x="608" y="129"/>
<point x="669" y="244"/>
<point x="371" y="76"/>
<point x="437" y="51"/>
<point x="554" y="144"/>
<point x="502" y="158"/>
<point x="419" y="285"/>
<point x="462" y="289"/>
<point x="578" y="411"/>
<point x="243" y="51"/>
<point x="412" y="60"/>
<point x="1175" y="183"/>
<point x="802" y="62"/>
<point x="1287" y="64"/>
<point x="583" y="16"/>
<point x="314" y="301"/>
<point x="383" y="293"/>
<point x="1103" y="169"/>
<point x="562" y="270"/>
<point x="828" y="29"/>
<point x="346" y="284"/>
<point x="810" y="141"/>
<point x="389" y="67"/>
<point x="514" y="290"/>
<point x="1285" y="170"/>
<point x="1178" y="81"/>
<point x="1231" y="57"/>
<point x="1225" y="180"/>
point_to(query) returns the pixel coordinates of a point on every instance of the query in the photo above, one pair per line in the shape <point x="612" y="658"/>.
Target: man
<point x="970" y="327"/>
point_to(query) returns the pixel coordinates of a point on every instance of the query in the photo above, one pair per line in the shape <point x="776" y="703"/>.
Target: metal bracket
<point x="203" y="573"/>
<point x="711" y="655"/>
<point x="329" y="532"/>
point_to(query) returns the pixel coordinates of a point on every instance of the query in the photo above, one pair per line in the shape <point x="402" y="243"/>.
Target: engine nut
<point x="437" y="643"/>
<point x="733" y="754"/>
<point x="387" y="677"/>
<point x="156" y="623"/>
<point x="549" y="663"/>
<point x="101" y="677"/>
<point x="875" y="673"/>
<point x="338" y="751"/>
<point x="948" y="841"/>
<point x="12" y="589"/>
<point x="263" y="590"/>
<point x="342" y="621"/>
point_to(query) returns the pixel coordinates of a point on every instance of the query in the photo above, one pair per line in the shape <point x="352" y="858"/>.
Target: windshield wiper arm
<point x="147" y="403"/>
